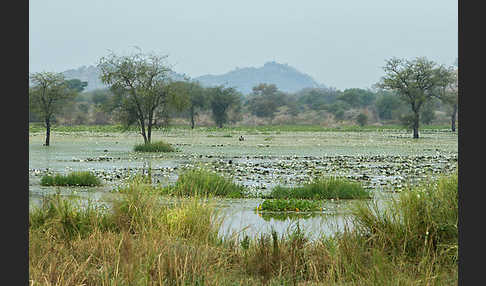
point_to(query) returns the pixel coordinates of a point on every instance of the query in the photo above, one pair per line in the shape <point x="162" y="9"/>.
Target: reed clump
<point x="322" y="188"/>
<point x="203" y="182"/>
<point x="77" y="178"/>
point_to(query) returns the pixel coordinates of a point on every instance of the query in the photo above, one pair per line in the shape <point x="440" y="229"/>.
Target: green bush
<point x="203" y="182"/>
<point x="322" y="188"/>
<point x="159" y="146"/>
<point x="78" y="178"/>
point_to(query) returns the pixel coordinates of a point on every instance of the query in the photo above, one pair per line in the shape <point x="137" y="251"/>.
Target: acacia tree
<point x="141" y="81"/>
<point x="221" y="100"/>
<point x="416" y="82"/>
<point x="47" y="96"/>
<point x="265" y="100"/>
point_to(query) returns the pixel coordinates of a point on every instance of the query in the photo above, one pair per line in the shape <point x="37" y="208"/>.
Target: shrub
<point x="362" y="119"/>
<point x="322" y="188"/>
<point x="78" y="178"/>
<point x="203" y="182"/>
<point x="159" y="146"/>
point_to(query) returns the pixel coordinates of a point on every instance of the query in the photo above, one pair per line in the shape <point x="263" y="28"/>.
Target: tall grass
<point x="145" y="240"/>
<point x="421" y="221"/>
<point x="77" y="178"/>
<point x="322" y="188"/>
<point x="199" y="181"/>
<point x="159" y="146"/>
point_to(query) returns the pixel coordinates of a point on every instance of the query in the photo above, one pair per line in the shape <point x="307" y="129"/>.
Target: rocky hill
<point x="285" y="77"/>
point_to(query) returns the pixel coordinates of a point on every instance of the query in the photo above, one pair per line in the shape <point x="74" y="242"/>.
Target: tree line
<point x="142" y="93"/>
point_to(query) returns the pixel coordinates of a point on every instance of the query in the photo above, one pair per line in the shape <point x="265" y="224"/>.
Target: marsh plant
<point x="159" y="146"/>
<point x="77" y="178"/>
<point x="199" y="181"/>
<point x="322" y="188"/>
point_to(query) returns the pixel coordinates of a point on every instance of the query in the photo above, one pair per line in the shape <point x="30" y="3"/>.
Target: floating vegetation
<point x="278" y="205"/>
<point x="322" y="188"/>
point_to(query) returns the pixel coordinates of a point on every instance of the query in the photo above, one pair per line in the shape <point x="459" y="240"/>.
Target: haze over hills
<point x="285" y="77"/>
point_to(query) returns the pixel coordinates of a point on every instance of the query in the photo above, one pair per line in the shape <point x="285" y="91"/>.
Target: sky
<point x="341" y="44"/>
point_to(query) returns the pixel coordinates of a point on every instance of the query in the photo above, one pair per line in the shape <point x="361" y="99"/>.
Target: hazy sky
<point x="342" y="44"/>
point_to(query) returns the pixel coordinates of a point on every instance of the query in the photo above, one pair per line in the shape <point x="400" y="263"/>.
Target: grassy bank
<point x="141" y="240"/>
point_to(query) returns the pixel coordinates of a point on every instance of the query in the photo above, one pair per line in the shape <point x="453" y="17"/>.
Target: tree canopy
<point x="141" y="80"/>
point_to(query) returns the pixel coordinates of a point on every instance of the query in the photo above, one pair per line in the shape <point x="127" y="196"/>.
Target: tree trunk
<point x="192" y="117"/>
<point x="416" y="125"/>
<point x="149" y="132"/>
<point x="48" y="131"/>
<point x="453" y="118"/>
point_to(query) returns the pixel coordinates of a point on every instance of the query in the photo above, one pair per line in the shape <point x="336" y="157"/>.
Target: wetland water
<point x="384" y="162"/>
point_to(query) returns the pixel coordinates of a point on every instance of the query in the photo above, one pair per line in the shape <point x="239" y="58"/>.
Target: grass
<point x="322" y="188"/>
<point x="159" y="146"/>
<point x="200" y="181"/>
<point x="265" y="129"/>
<point x="143" y="241"/>
<point x="77" y="178"/>
<point x="289" y="205"/>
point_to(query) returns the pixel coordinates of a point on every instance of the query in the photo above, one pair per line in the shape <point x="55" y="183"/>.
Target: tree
<point x="265" y="100"/>
<point x="141" y="81"/>
<point x="451" y="97"/>
<point x="76" y="84"/>
<point x="416" y="82"/>
<point x="221" y="100"/>
<point x="362" y="119"/>
<point x="193" y="98"/>
<point x="357" y="97"/>
<point x="47" y="96"/>
<point x="389" y="106"/>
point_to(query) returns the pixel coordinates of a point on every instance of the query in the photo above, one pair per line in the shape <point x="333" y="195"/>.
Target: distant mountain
<point x="91" y="75"/>
<point x="285" y="77"/>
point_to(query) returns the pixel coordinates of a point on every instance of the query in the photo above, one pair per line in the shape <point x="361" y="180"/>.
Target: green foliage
<point x="140" y="81"/>
<point x="221" y="100"/>
<point x="322" y="188"/>
<point x="317" y="98"/>
<point x="357" y="97"/>
<point x="203" y="182"/>
<point x="76" y="84"/>
<point x="159" y="146"/>
<point x="389" y="106"/>
<point x="416" y="82"/>
<point x="77" y="178"/>
<point x="362" y="119"/>
<point x="265" y="100"/>
<point x="427" y="114"/>
<point x="289" y="205"/>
